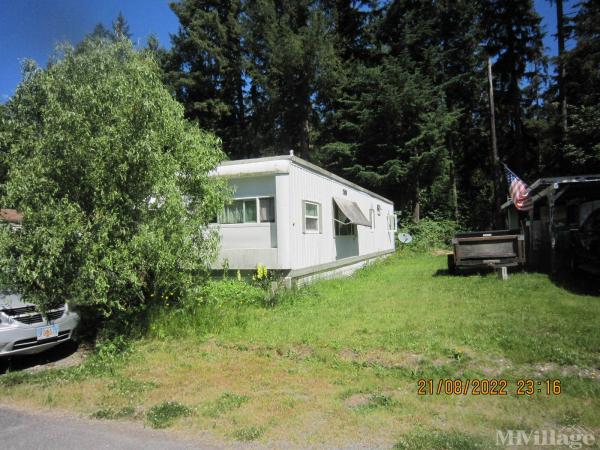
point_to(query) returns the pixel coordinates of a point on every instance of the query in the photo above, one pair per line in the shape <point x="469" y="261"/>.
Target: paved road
<point x="23" y="430"/>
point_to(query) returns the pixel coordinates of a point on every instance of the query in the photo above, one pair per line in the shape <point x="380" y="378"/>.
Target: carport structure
<point x="560" y="206"/>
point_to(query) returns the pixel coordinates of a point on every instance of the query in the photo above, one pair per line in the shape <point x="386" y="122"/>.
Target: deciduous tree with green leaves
<point x="113" y="182"/>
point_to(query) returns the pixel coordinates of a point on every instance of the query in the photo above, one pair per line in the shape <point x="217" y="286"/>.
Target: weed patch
<point x="164" y="414"/>
<point x="225" y="403"/>
<point x="428" y="439"/>
<point x="111" y="414"/>
<point x="129" y="388"/>
<point x="376" y="401"/>
<point x="248" y="433"/>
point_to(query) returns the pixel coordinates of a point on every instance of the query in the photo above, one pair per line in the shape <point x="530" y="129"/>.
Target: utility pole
<point x="560" y="36"/>
<point x="495" y="160"/>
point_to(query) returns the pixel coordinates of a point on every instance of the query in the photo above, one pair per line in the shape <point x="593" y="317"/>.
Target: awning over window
<point x="352" y="211"/>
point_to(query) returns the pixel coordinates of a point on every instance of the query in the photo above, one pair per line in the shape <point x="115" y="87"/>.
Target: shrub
<point x="429" y="234"/>
<point x="113" y="182"/>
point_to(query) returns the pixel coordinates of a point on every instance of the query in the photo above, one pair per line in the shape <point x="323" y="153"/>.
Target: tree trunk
<point x="305" y="129"/>
<point x="453" y="178"/>
<point x="304" y="139"/>
<point x="416" y="217"/>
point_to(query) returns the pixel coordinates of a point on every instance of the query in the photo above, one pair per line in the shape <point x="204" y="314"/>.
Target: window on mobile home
<point x="312" y="217"/>
<point x="266" y="208"/>
<point x="239" y="211"/>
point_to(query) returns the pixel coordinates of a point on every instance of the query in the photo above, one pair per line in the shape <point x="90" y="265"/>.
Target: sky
<point x="31" y="28"/>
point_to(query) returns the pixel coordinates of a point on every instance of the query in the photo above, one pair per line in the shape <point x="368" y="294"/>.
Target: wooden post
<point x="502" y="273"/>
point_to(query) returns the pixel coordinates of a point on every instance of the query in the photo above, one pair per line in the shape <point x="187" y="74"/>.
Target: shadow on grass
<point x="579" y="283"/>
<point x="472" y="271"/>
<point x="51" y="357"/>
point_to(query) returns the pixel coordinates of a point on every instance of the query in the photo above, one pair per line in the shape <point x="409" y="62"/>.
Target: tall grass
<point x="219" y="305"/>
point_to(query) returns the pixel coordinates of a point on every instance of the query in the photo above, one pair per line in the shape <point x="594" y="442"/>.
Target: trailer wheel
<point x="451" y="264"/>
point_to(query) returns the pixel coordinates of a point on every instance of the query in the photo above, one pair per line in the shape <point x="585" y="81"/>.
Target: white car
<point x="25" y="331"/>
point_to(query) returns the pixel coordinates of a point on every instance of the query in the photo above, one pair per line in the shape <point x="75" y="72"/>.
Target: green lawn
<point x="339" y="362"/>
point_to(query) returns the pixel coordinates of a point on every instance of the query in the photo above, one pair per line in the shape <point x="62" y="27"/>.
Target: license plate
<point x="47" y="332"/>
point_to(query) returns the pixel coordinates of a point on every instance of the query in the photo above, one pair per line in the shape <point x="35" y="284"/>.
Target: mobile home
<point x="300" y="220"/>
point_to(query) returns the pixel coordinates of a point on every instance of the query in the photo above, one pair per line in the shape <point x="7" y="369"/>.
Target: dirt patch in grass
<point x="298" y="351"/>
<point x="491" y="367"/>
<point x="357" y="400"/>
<point x="382" y="358"/>
<point x="543" y="369"/>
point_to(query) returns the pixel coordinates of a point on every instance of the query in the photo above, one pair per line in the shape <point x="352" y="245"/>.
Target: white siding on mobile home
<point x="284" y="216"/>
<point x="311" y="249"/>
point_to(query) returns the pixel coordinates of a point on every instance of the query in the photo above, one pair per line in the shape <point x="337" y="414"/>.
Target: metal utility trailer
<point x="481" y="249"/>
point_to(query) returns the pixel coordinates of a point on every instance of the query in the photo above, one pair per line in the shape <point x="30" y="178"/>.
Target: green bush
<point x="428" y="234"/>
<point x="113" y="182"/>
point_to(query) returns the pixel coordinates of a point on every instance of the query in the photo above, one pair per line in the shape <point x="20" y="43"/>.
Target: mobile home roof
<point x="280" y="169"/>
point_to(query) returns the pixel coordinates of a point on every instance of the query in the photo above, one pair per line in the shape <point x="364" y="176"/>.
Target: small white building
<point x="303" y="221"/>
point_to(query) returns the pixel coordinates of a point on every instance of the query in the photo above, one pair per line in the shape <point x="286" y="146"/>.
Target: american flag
<point x="519" y="191"/>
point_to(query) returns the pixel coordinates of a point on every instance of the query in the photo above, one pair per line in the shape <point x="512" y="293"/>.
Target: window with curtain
<point x="250" y="210"/>
<point x="239" y="211"/>
<point x="266" y="209"/>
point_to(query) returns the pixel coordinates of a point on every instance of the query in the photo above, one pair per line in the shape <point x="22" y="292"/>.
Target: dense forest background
<point x="393" y="95"/>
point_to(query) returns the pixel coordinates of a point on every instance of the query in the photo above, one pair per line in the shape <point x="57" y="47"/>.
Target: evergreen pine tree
<point x="207" y="68"/>
<point x="121" y="27"/>
<point x="582" y="88"/>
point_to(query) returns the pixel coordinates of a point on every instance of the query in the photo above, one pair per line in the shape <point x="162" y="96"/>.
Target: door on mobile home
<point x="346" y="217"/>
